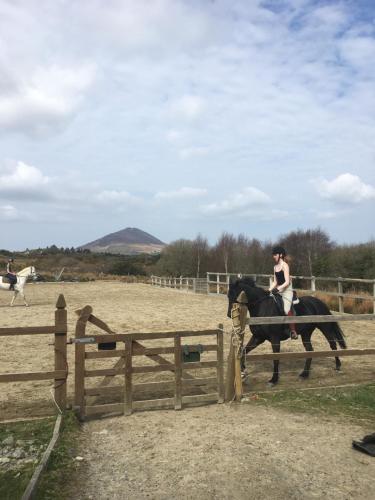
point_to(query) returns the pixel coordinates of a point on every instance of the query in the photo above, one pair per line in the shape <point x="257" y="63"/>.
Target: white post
<point x="271" y="280"/>
<point x="313" y="284"/>
<point x="217" y="283"/>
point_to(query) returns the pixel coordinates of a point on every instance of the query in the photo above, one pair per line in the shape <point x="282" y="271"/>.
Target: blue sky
<point x="179" y="118"/>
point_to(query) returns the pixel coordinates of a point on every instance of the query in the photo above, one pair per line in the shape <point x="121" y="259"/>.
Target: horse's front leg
<point x="14" y="297"/>
<point x="306" y="339"/>
<point x="275" y="340"/>
<point x="250" y="346"/>
<point x="24" y="299"/>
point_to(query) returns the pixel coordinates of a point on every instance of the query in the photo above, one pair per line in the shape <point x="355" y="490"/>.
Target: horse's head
<point x="235" y="288"/>
<point x="27" y="272"/>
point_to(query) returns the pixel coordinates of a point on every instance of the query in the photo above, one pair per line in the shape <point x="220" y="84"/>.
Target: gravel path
<point x="223" y="452"/>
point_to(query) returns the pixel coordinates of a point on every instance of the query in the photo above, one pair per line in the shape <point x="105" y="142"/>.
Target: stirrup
<point x="293" y="335"/>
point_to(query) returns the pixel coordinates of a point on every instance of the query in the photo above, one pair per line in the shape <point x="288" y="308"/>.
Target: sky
<point x="186" y="117"/>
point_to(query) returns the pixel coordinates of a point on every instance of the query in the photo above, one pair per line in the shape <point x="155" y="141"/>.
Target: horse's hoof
<point x="304" y="375"/>
<point x="272" y="382"/>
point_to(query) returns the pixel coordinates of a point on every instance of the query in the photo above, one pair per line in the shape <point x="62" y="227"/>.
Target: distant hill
<point x="128" y="241"/>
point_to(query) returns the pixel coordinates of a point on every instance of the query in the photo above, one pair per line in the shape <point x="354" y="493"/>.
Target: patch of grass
<point x="355" y="402"/>
<point x="13" y="481"/>
<point x="61" y="467"/>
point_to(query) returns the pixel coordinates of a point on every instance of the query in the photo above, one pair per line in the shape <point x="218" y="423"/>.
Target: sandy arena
<point x="217" y="451"/>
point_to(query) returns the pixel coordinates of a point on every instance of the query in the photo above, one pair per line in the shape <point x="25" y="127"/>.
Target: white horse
<point x="21" y="281"/>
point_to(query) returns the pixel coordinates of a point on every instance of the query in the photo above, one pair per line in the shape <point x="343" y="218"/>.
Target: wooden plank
<point x="61" y="330"/>
<point x="334" y="294"/>
<point x="310" y="319"/>
<point x="97" y="322"/>
<point x="153" y="403"/>
<point x="24" y="376"/>
<point x="145" y="386"/>
<point x="149" y="351"/>
<point x="27" y="330"/>
<point x="79" y="362"/>
<point x="153" y="369"/>
<point x="121" y="337"/>
<point x="200" y="364"/>
<point x="312" y="354"/>
<point x="116" y="353"/>
<point x="128" y="395"/>
<point x="107" y="408"/>
<point x="200" y="398"/>
<point x="108" y="390"/>
<point x="220" y="363"/>
<point x="33" y="483"/>
<point x="100" y="372"/>
<point x="177" y="372"/>
<point x="199" y="381"/>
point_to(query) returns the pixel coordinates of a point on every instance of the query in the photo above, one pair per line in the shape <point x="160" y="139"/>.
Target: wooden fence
<point x="59" y="375"/>
<point x="234" y="388"/>
<point x="218" y="283"/>
<point x="196" y="285"/>
<point x="125" y="367"/>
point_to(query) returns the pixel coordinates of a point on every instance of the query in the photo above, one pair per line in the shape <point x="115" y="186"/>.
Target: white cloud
<point x="358" y="51"/>
<point x="249" y="200"/>
<point x="174" y="136"/>
<point x="40" y="103"/>
<point x="9" y="212"/>
<point x="188" y="107"/>
<point x="193" y="151"/>
<point x="21" y="181"/>
<point x="184" y="192"/>
<point x="110" y="197"/>
<point x="345" y="188"/>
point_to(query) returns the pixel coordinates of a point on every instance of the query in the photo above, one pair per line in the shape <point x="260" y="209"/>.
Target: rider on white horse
<point x="11" y="275"/>
<point x="18" y="285"/>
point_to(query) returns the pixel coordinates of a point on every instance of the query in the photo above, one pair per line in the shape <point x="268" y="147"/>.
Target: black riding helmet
<point x="278" y="250"/>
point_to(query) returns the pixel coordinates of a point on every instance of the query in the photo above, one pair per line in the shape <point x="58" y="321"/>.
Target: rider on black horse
<point x="11" y="275"/>
<point x="282" y="284"/>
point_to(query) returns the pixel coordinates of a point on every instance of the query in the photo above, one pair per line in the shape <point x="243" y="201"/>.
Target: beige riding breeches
<point x="287" y="296"/>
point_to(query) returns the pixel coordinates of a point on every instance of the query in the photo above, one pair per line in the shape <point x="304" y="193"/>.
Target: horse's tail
<point x="332" y="331"/>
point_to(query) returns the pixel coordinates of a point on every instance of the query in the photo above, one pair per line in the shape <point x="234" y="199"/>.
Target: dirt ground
<point x="217" y="451"/>
<point x="223" y="451"/>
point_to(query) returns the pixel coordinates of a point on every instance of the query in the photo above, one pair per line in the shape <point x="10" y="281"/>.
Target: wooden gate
<point x="177" y="369"/>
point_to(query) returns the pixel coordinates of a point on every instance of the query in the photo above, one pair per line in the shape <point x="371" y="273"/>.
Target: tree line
<point x="310" y="252"/>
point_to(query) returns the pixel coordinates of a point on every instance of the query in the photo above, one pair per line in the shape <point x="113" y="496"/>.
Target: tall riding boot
<point x="292" y="327"/>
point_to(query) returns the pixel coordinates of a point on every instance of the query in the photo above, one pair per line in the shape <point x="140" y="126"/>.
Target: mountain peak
<point x="130" y="240"/>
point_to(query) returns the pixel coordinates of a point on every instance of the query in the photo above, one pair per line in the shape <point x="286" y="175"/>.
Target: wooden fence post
<point x="177" y="373"/>
<point x="220" y="363"/>
<point x="218" y="284"/>
<point x="373" y="308"/>
<point x="79" y="375"/>
<point x="128" y="397"/>
<point x="341" y="295"/>
<point x="234" y="380"/>
<point x="61" y="330"/>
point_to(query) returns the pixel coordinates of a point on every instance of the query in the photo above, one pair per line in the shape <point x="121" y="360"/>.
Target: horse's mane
<point x="247" y="285"/>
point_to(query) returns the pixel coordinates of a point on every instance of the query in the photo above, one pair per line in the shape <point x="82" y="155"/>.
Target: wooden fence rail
<point x="124" y="367"/>
<point x="218" y="283"/>
<point x="60" y="373"/>
<point x="234" y="388"/>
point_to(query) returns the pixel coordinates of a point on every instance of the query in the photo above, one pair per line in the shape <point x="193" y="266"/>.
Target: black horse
<point x="261" y="303"/>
